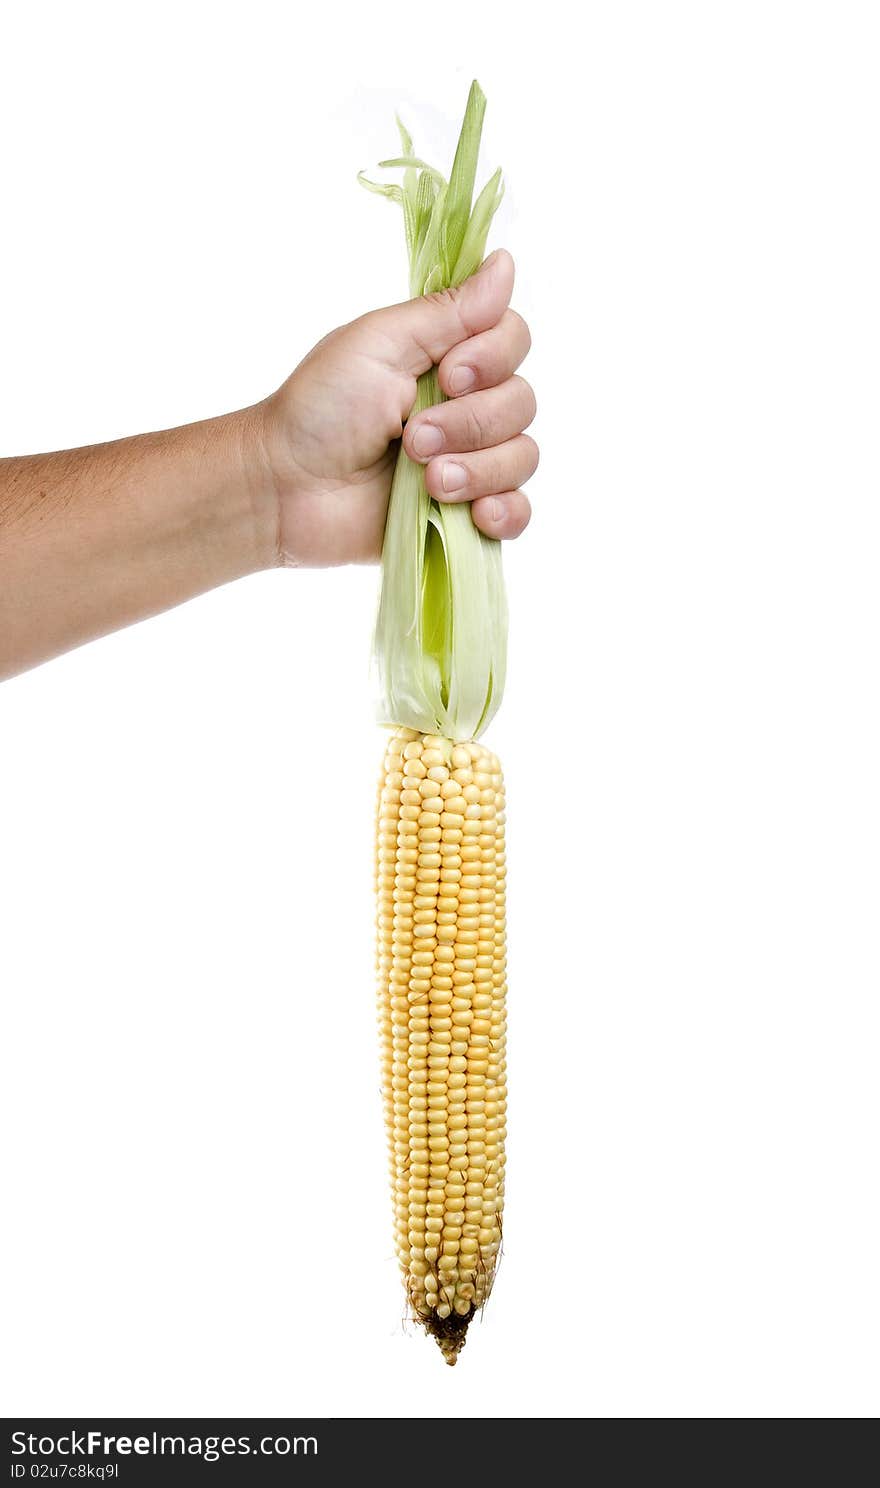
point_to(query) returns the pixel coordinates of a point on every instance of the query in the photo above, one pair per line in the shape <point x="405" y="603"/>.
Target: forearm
<point x="93" y="539"/>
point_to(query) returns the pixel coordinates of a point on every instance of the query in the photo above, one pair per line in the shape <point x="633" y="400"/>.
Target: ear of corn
<point x="440" y="651"/>
<point x="441" y="997"/>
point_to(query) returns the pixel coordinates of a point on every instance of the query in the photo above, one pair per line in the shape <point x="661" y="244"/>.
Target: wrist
<point x="258" y="521"/>
<point x="280" y="474"/>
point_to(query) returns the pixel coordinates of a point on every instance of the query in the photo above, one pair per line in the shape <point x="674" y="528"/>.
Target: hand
<point x="331" y="431"/>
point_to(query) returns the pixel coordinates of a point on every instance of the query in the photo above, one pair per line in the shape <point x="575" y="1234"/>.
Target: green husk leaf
<point x="413" y="162"/>
<point x="474" y="244"/>
<point x="427" y="261"/>
<point x="426" y="192"/>
<point x="440" y="644"/>
<point x="410" y="187"/>
<point x="381" y="188"/>
<point x="462" y="177"/>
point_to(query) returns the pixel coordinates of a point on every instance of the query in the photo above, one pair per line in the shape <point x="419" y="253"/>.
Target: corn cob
<point x="440" y="882"/>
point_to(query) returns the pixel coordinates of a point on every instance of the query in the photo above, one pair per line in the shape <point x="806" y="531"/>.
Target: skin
<point x="93" y="539"/>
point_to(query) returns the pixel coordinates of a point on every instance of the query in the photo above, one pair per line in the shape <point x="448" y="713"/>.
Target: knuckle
<point x="521" y="329"/>
<point x="476" y="432"/>
<point x="450" y="299"/>
<point x="533" y="452"/>
<point x="529" y="401"/>
<point x="443" y="297"/>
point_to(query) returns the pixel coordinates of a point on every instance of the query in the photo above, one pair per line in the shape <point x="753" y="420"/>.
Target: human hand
<point x="330" y="432"/>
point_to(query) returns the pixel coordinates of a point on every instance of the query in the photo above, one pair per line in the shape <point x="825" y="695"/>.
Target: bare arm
<point x="93" y="539"/>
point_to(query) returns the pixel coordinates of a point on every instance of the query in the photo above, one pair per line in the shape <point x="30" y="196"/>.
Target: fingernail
<point x="496" y="510"/>
<point x="489" y="261"/>
<point x="462" y="378"/>
<point x="454" y="476"/>
<point x="427" y="441"/>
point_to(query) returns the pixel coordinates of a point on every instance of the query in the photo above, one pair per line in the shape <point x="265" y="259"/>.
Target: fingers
<point x="473" y="446"/>
<point x="420" y="332"/>
<point x="486" y="472"/>
<point x="477" y="421"/>
<point x="503" y="516"/>
<point x="473" y="449"/>
<point x="487" y="358"/>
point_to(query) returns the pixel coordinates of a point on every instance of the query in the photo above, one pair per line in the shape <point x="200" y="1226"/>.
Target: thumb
<point x="423" y="330"/>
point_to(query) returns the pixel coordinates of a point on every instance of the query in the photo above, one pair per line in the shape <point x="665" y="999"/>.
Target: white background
<point x="196" y="1217"/>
